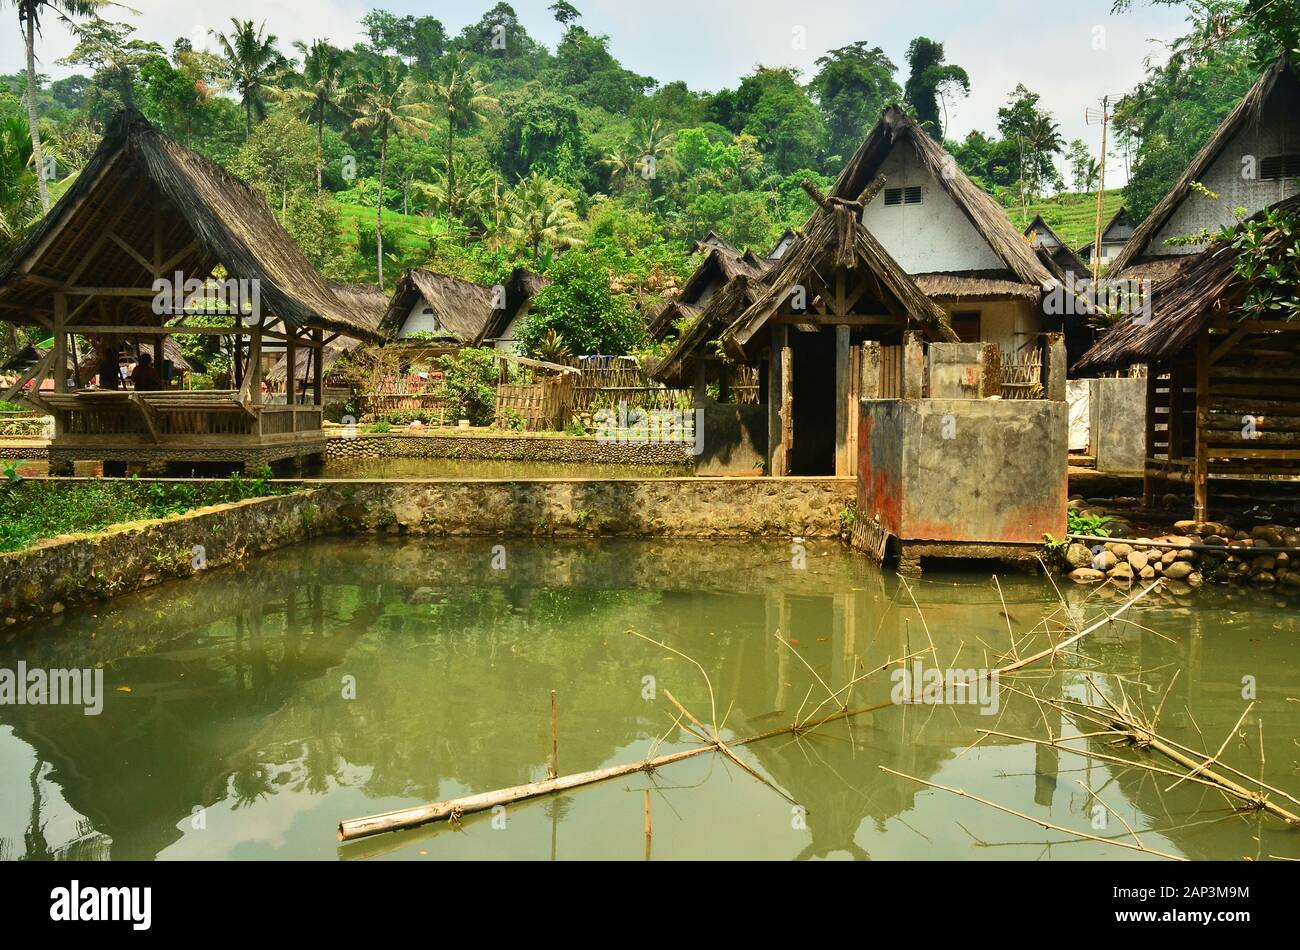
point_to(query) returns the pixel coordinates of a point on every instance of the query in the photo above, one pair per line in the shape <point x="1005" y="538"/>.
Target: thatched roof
<point x="140" y="178"/>
<point x="1052" y="251"/>
<point x="718" y="267"/>
<point x="465" y="309"/>
<point x="365" y="304"/>
<point x="986" y="215"/>
<point x="714" y="239"/>
<point x="1249" y="109"/>
<point x="1208" y="285"/>
<point x="834" y="237"/>
<point x="973" y="285"/>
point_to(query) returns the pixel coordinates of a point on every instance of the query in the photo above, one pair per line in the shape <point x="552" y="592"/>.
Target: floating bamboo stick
<point x="555" y="739"/>
<point x="354" y="828"/>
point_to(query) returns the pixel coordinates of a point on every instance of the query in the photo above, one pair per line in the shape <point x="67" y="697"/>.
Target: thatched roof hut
<point x="212" y="218"/>
<point x="460" y="311"/>
<point x="719" y="267"/>
<point x="1276" y="91"/>
<point x="1052" y="251"/>
<point x="1223" y="383"/>
<point x="989" y="219"/>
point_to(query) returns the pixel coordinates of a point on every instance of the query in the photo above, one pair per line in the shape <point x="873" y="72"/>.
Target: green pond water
<point x="227" y="729"/>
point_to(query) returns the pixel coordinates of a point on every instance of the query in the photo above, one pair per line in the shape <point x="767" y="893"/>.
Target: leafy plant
<point x="1091" y="525"/>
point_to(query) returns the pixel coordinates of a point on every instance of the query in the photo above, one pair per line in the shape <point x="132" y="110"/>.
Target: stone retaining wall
<point x="57" y="572"/>
<point x="504" y="448"/>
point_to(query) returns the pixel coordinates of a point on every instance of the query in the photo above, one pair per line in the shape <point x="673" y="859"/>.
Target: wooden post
<point x="842" y="400"/>
<point x="1055" y="371"/>
<point x="1200" y="470"/>
<point x="775" y="450"/>
<point x="60" y="345"/>
<point x="290" y="365"/>
<point x="318" y="365"/>
<point x="701" y="386"/>
<point x="251" y="390"/>
<point x="787" y="405"/>
<point x="724" y="383"/>
<point x="555" y="737"/>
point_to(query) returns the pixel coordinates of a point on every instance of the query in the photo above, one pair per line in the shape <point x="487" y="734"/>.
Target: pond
<point x="247" y="711"/>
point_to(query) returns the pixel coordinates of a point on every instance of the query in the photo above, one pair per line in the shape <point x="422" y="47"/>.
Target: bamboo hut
<point x="1251" y="161"/>
<point x="1223" y="387"/>
<point x="131" y="253"/>
<point x="835" y="286"/>
<point x="720" y="265"/>
<point x="364" y="304"/>
<point x="437" y="314"/>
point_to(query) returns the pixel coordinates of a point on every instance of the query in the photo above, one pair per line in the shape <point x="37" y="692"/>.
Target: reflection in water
<point x="249" y="710"/>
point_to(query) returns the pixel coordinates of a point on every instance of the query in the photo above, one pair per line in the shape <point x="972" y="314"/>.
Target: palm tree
<point x="460" y="92"/>
<point x="322" y="73"/>
<point x="29" y="20"/>
<point x="252" y="64"/>
<point x="539" y="213"/>
<point x="385" y="104"/>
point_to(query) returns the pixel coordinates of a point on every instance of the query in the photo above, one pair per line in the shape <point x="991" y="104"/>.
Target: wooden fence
<point x="1022" y="374"/>
<point x="544" y="404"/>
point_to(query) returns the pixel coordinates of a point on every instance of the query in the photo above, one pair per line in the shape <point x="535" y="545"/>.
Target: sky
<point x="1071" y="53"/>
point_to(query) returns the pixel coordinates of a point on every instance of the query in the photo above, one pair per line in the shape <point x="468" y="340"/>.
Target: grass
<point x="33" y="510"/>
<point x="410" y="231"/>
<point x="1072" y="216"/>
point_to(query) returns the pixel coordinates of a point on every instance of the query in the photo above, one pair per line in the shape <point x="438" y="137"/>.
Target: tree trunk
<point x="379" y="210"/>
<point x="38" y="157"/>
<point x="451" y="174"/>
<point x="320" y="145"/>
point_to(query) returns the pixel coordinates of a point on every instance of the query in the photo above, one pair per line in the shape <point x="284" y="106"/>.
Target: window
<point x="910" y="195"/>
<point x="1276" y="167"/>
<point x="966" y="325"/>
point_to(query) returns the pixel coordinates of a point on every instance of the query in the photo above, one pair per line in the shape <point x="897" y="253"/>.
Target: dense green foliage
<point x="474" y="152"/>
<point x="32" y="510"/>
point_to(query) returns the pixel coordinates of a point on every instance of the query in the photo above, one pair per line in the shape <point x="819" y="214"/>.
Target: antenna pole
<point x="1101" y="193"/>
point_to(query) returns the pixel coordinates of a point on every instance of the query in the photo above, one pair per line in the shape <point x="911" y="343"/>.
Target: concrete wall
<point x="963" y="370"/>
<point x="1117" y="424"/>
<point x="1278" y="133"/>
<point x="735" y="440"/>
<point x="961" y="470"/>
<point x="931" y="236"/>
<point x="1010" y="324"/>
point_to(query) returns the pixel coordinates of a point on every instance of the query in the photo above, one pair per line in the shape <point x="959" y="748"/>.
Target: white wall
<point x="931" y="236"/>
<point x="1010" y="324"/>
<point x="417" y="321"/>
<point x="1278" y="133"/>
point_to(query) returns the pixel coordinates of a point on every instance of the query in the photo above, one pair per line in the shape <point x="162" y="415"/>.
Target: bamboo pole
<point x="555" y="739"/>
<point x="404" y="818"/>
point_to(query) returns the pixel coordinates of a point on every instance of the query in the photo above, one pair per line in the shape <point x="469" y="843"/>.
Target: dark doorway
<point x="814" y="402"/>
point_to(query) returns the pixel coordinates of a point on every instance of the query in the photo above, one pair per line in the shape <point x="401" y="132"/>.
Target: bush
<point x="470" y="385"/>
<point x="580" y="307"/>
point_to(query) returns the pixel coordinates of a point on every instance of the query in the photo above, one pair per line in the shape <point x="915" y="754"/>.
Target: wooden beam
<point x="787" y="404"/>
<point x="37" y="372"/>
<point x="147" y="414"/>
<point x="176" y="258"/>
<point x="135" y="255"/>
<point x="1200" y="467"/>
<point x="775" y="454"/>
<point x="318" y="366"/>
<point x="290" y="368"/>
<point x="60" y="349"/>
<point x="842" y="363"/>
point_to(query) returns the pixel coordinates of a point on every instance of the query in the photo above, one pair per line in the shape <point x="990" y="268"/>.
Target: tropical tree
<point x="29" y="20"/>
<point x="541" y="214"/>
<point x="252" y="67"/>
<point x="931" y="82"/>
<point x="322" y="89"/>
<point x="116" y="59"/>
<point x="463" y="96"/>
<point x="19" y="201"/>
<point x="386" y="103"/>
<point x="853" y="85"/>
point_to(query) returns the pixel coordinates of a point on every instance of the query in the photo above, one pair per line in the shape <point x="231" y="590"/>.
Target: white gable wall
<point x="927" y="237"/>
<point x="417" y="321"/>
<point x="1277" y="134"/>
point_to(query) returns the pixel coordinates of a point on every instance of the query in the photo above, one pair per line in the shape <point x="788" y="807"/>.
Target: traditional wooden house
<point x="1114" y="237"/>
<point x="1052" y="251"/>
<point x="835" y="287"/>
<point x="1252" y="161"/>
<point x="720" y="265"/>
<point x="1223" y="383"/>
<point x="951" y="237"/>
<point x="441" y="314"/>
<point x="126" y="254"/>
